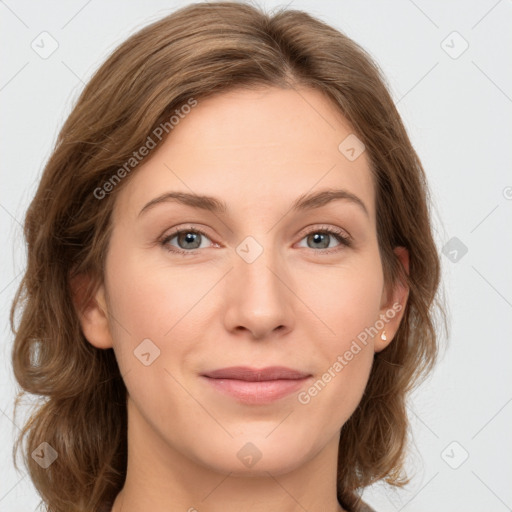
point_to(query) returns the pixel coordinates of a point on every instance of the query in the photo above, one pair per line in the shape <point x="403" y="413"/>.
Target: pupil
<point x="319" y="237"/>
<point x="190" y="238"/>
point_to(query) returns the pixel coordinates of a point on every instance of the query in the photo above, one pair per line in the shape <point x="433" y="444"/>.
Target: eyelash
<point x="336" y="233"/>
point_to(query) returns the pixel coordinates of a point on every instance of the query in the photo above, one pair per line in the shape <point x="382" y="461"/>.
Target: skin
<point x="294" y="305"/>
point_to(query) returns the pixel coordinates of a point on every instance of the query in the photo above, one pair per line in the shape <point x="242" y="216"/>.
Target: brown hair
<point x="201" y="50"/>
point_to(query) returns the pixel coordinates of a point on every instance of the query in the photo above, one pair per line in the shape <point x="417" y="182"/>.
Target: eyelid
<point x="343" y="233"/>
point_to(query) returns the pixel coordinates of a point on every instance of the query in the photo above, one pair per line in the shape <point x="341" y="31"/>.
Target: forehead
<point x="254" y="148"/>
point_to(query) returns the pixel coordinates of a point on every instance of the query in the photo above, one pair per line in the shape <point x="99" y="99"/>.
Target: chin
<point x="256" y="455"/>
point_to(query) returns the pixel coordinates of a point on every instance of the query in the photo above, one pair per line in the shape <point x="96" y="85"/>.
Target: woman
<point x="231" y="275"/>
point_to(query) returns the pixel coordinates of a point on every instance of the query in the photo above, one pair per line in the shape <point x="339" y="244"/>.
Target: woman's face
<point x="257" y="284"/>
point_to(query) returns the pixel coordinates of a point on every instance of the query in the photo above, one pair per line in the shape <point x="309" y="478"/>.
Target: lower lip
<point x="254" y="393"/>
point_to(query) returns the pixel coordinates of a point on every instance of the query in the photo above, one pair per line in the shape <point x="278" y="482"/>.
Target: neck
<point x="162" y="479"/>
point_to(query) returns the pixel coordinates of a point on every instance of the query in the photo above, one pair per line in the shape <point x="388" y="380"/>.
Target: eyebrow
<point x="304" y="202"/>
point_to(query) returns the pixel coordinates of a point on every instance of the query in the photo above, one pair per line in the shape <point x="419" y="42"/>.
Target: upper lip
<point x="256" y="374"/>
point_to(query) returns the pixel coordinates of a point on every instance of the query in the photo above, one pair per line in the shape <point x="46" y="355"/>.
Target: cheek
<point x="346" y="298"/>
<point x="347" y="301"/>
<point x="170" y="307"/>
<point x="150" y="300"/>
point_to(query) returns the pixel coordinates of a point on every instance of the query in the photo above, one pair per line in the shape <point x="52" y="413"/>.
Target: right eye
<point x="188" y="240"/>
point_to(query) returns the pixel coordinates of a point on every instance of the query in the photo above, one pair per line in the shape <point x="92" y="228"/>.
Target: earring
<point x="383" y="336"/>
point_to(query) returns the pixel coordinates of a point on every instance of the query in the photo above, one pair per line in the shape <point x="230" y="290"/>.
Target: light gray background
<point x="457" y="109"/>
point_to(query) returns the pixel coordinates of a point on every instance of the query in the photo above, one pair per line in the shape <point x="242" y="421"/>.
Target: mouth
<point x="256" y="386"/>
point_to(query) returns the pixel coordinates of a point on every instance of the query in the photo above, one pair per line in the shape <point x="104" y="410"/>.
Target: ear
<point x="92" y="312"/>
<point x="393" y="303"/>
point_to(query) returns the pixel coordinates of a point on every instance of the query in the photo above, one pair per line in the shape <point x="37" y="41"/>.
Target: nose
<point x="258" y="298"/>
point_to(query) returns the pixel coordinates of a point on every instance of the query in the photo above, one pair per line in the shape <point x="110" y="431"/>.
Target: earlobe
<point x="394" y="303"/>
<point x="92" y="311"/>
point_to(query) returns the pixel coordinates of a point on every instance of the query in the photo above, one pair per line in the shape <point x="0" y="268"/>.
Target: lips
<point x="256" y="375"/>
<point x="253" y="386"/>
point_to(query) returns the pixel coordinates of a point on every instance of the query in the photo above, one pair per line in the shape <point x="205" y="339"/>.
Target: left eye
<point x="321" y="238"/>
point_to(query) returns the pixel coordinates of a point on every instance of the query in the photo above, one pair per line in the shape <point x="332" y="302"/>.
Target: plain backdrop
<point x="448" y="68"/>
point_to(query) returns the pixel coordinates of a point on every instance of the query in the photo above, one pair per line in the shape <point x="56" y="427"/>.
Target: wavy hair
<point x="198" y="51"/>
